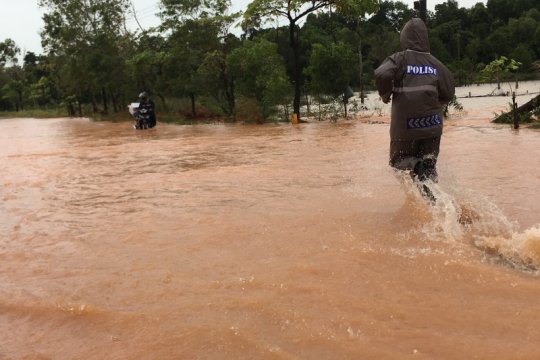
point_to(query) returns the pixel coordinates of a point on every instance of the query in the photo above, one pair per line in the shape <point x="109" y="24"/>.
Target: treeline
<point x="195" y="65"/>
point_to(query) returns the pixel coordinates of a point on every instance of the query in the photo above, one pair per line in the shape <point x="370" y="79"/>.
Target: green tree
<point x="197" y="28"/>
<point x="381" y="43"/>
<point x="40" y="92"/>
<point x="8" y="52"/>
<point x="392" y="14"/>
<point x="87" y="46"/>
<point x="14" y="91"/>
<point x="331" y="69"/>
<point x="481" y="21"/>
<point x="498" y="68"/>
<point x="261" y="11"/>
<point x="217" y="76"/>
<point x="523" y="55"/>
<point x="503" y="10"/>
<point x="189" y="45"/>
<point x="147" y="65"/>
<point x="12" y="87"/>
<point x="260" y="74"/>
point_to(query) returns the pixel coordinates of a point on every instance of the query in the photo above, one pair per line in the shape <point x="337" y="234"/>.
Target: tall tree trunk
<point x="70" y="109"/>
<point x="79" y="104"/>
<point x="21" y="100"/>
<point x="94" y="103"/>
<point x="193" y="110"/>
<point x="319" y="101"/>
<point x="104" y="96"/>
<point x="332" y="27"/>
<point x="228" y="87"/>
<point x="360" y="57"/>
<point x="114" y="100"/>
<point x="514" y="109"/>
<point x="297" y="70"/>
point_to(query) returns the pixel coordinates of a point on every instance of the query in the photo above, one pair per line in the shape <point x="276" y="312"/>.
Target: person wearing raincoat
<point x="419" y="87"/>
<point x="147" y="105"/>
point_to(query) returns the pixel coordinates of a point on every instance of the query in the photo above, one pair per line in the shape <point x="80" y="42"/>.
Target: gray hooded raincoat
<point x="419" y="84"/>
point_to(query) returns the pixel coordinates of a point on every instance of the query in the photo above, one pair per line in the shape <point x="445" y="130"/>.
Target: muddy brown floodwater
<point x="265" y="242"/>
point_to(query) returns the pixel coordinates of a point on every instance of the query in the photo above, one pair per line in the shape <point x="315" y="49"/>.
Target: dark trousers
<point x="418" y="156"/>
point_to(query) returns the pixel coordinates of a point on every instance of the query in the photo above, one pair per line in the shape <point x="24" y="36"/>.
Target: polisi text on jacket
<point x="421" y="70"/>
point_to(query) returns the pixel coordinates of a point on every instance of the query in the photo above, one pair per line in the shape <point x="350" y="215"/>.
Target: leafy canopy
<point x="259" y="12"/>
<point x="500" y="66"/>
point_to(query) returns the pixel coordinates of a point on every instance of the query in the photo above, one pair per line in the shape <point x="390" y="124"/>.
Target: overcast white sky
<point x="21" y="21"/>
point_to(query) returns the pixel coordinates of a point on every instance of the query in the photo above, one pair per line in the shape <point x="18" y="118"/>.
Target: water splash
<point x="521" y="249"/>
<point x="458" y="214"/>
<point x="445" y="211"/>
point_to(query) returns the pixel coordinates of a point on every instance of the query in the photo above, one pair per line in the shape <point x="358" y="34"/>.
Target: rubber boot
<point x="424" y="170"/>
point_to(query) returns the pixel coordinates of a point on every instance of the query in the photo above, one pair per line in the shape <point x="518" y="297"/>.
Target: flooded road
<point x="265" y="242"/>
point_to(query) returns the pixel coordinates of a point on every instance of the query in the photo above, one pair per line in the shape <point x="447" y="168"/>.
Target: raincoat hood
<point x="414" y="36"/>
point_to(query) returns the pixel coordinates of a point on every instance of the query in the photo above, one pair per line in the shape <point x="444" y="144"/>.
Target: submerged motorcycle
<point x="142" y="117"/>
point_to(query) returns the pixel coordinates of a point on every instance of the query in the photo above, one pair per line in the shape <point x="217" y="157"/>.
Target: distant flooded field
<point x="267" y="242"/>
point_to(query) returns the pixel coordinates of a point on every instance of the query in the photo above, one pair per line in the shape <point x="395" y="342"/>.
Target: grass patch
<point x="35" y="113"/>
